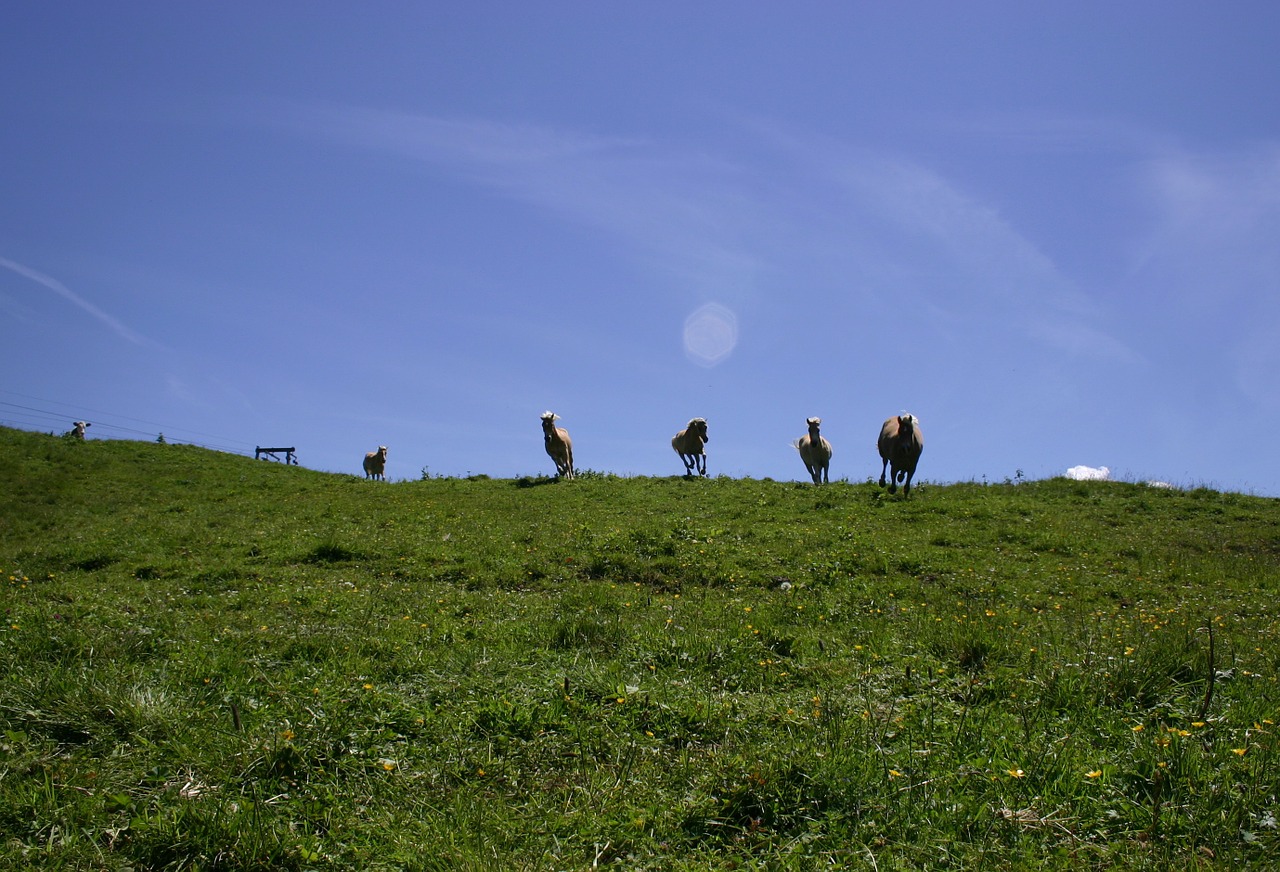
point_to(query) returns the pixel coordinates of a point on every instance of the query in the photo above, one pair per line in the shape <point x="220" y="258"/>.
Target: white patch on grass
<point x="1089" y="473"/>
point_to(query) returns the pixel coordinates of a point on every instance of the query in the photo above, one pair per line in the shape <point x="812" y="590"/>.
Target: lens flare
<point x="710" y="334"/>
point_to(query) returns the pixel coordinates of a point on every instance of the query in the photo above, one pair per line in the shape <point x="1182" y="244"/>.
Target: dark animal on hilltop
<point x="78" y="428"/>
<point x="689" y="443"/>
<point x="900" y="445"/>
<point x="375" y="462"/>
<point x="558" y="444"/>
<point x="815" y="451"/>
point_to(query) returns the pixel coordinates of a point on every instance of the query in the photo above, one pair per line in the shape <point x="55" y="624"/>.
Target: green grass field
<point x="216" y="663"/>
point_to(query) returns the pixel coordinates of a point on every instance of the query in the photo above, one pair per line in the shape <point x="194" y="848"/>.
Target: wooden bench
<point x="260" y="453"/>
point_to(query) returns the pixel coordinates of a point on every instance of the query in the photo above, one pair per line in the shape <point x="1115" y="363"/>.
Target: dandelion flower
<point x="894" y="773"/>
<point x="1094" y="774"/>
<point x="1239" y="752"/>
<point x="1138" y="728"/>
<point x="1016" y="773"/>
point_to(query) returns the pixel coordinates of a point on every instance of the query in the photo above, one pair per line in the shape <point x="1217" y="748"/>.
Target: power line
<point x="19" y="424"/>
<point x="83" y="409"/>
<point x="35" y="417"/>
<point x="22" y="422"/>
<point x="38" y="413"/>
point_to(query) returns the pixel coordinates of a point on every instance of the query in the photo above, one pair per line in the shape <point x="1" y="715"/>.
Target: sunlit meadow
<point x="217" y="663"/>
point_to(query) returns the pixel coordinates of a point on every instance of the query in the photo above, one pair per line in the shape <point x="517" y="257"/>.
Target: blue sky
<point x="1050" y="231"/>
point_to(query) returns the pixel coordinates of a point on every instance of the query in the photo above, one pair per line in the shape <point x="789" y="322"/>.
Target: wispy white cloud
<point x="199" y="390"/>
<point x="1078" y="336"/>
<point x="683" y="212"/>
<point x="66" y="293"/>
<point x="1215" y="202"/>
<point x="923" y="242"/>
<point x="970" y="233"/>
<point x="719" y="227"/>
<point x="1208" y="267"/>
<point x="1257" y="360"/>
<point x="1061" y="134"/>
<point x="476" y="143"/>
<point x="988" y="269"/>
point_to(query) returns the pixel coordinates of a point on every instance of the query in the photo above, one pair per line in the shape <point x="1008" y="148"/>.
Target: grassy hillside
<point x="218" y="663"/>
